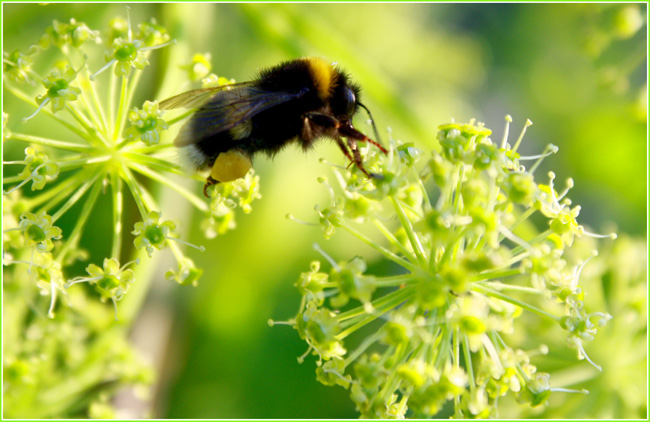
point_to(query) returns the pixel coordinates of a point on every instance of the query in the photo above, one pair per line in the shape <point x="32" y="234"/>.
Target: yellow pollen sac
<point x="231" y="165"/>
<point x="323" y="74"/>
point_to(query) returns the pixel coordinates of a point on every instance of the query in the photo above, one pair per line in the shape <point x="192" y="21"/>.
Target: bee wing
<point x="197" y="97"/>
<point x="223" y="109"/>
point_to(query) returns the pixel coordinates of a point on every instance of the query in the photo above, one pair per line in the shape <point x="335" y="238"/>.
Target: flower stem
<point x="73" y="240"/>
<point x="493" y="293"/>
<point x="51" y="197"/>
<point x="468" y="362"/>
<point x="388" y="254"/>
<point x="74" y="198"/>
<point x="393" y="241"/>
<point x="70" y="146"/>
<point x="121" y="113"/>
<point x="195" y="200"/>
<point x="381" y="306"/>
<point x="135" y="189"/>
<point x="412" y="236"/>
<point x="93" y="136"/>
<point x="500" y="273"/>
<point x="118" y="203"/>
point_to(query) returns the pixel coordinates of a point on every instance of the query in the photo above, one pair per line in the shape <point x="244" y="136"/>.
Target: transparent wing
<point x="222" y="109"/>
<point x="197" y="97"/>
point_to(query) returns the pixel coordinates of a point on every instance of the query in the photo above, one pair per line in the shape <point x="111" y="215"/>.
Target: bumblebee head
<point x="334" y="87"/>
<point x="344" y="101"/>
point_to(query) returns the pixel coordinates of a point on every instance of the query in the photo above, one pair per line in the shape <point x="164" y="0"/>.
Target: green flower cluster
<point x="114" y="153"/>
<point x="115" y="145"/>
<point x="467" y="262"/>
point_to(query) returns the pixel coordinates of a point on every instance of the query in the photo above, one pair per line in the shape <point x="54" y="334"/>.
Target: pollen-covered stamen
<point x="324" y="181"/>
<point x="329" y="259"/>
<point x="297" y="220"/>
<point x="40" y="107"/>
<point x="580" y="267"/>
<point x="549" y="150"/>
<point x="521" y="136"/>
<point x="504" y="141"/>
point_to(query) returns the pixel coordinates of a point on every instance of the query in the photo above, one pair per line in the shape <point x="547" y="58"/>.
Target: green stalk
<point x="388" y="302"/>
<point x="500" y="273"/>
<point x="410" y="233"/>
<point x="73" y="240"/>
<point x="397" y="280"/>
<point x="393" y="241"/>
<point x="93" y="135"/>
<point x="468" y="362"/>
<point x="155" y="163"/>
<point x="74" y="198"/>
<point x="501" y="287"/>
<point x="98" y="105"/>
<point x="74" y="162"/>
<point x="425" y="195"/>
<point x="121" y="113"/>
<point x="542" y="236"/>
<point x="118" y="204"/>
<point x="70" y="146"/>
<point x="136" y="192"/>
<point x="442" y="348"/>
<point x="388" y="254"/>
<point x="492" y="293"/>
<point x="52" y="196"/>
<point x="195" y="200"/>
<point x="90" y="109"/>
<point x="367" y="342"/>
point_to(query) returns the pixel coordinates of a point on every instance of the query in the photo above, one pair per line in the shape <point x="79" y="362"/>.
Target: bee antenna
<point x="372" y="121"/>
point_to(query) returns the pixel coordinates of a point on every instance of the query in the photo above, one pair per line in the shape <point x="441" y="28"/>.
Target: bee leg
<point x="341" y="145"/>
<point x="352" y="143"/>
<point x="352" y="135"/>
<point x="350" y="132"/>
<point x="208" y="182"/>
<point x="323" y="120"/>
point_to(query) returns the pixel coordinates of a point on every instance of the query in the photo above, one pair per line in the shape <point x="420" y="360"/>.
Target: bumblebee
<point x="298" y="101"/>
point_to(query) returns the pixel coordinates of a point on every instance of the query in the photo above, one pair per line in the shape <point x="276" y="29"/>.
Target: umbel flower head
<point x="467" y="264"/>
<point x="111" y="167"/>
<point x="111" y="149"/>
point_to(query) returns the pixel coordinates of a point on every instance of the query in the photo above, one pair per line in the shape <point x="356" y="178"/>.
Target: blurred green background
<point x="578" y="71"/>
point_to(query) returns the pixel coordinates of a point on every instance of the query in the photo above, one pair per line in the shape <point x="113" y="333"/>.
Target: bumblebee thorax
<point x="324" y="75"/>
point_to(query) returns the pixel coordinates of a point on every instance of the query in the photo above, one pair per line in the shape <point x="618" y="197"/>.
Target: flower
<point x="199" y="67"/>
<point x="105" y="167"/>
<point x="152" y="34"/>
<point x="187" y="273"/>
<point x="434" y="330"/>
<point x="39" y="230"/>
<point x="63" y="34"/>
<point x="59" y="91"/>
<point x="152" y="233"/>
<point x="146" y="124"/>
<point x="127" y="55"/>
<point x="17" y="66"/>
<point x="38" y="168"/>
<point x="225" y="198"/>
<point x="111" y="281"/>
<point x="104" y="160"/>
